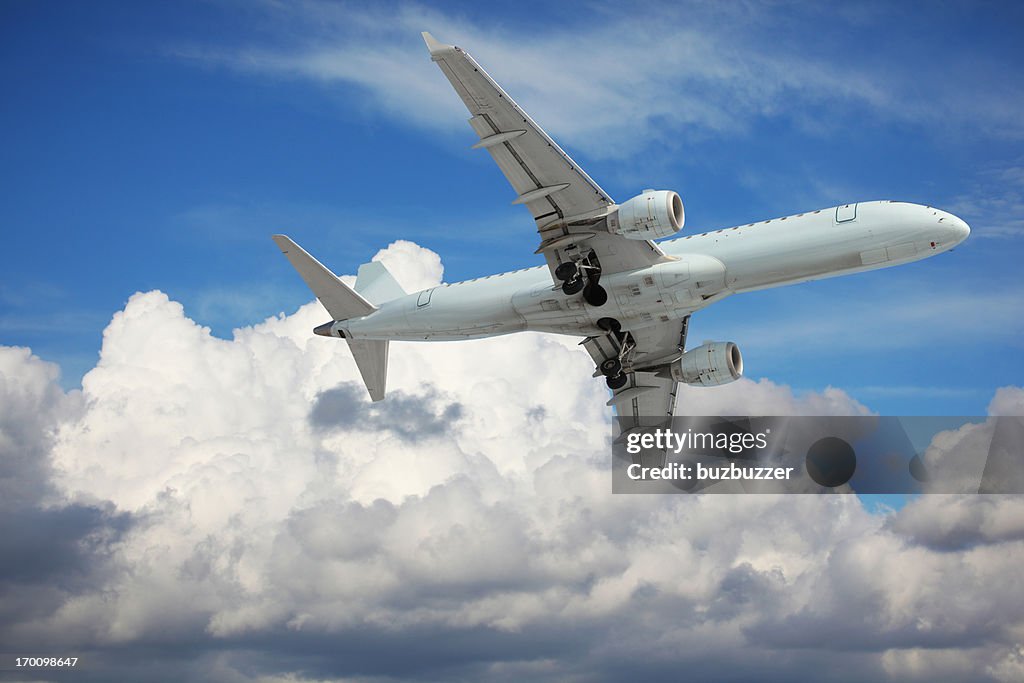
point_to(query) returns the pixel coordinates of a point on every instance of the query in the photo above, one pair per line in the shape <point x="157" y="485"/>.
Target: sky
<point x="221" y="502"/>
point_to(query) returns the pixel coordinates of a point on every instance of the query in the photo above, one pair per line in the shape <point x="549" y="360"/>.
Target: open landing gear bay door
<point x="568" y="206"/>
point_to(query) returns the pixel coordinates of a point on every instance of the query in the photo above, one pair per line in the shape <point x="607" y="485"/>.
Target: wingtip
<point x="433" y="44"/>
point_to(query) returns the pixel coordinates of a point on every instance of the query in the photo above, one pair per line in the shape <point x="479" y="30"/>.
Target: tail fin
<point x="339" y="300"/>
<point x="342" y="303"/>
<point x="376" y="284"/>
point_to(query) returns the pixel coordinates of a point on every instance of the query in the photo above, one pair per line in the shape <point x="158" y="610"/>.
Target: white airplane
<point x="606" y="279"/>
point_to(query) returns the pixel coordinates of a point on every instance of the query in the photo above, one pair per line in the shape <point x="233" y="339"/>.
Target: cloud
<point x="413" y="266"/>
<point x="810" y="317"/>
<point x="243" y="513"/>
<point x="614" y="82"/>
<point x="764" y="397"/>
<point x="955" y="523"/>
<point x="995" y="202"/>
<point x="49" y="551"/>
<point x="346" y="407"/>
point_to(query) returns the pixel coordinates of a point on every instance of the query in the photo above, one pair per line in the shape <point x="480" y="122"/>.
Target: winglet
<point x="433" y="44"/>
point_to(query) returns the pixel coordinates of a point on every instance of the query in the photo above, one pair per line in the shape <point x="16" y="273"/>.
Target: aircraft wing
<point x="562" y="198"/>
<point x="648" y="398"/>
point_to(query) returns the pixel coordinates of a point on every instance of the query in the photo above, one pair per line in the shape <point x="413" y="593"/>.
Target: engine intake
<point x="653" y="214"/>
<point x="709" y="365"/>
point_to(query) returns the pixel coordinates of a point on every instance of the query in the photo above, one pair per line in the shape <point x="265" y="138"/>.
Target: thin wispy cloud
<point x="995" y="201"/>
<point x="874" y="321"/>
<point x="617" y="86"/>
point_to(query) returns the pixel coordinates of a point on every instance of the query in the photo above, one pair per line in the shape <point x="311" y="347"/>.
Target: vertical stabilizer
<point x="343" y="303"/>
<point x="371" y="358"/>
<point x="375" y="284"/>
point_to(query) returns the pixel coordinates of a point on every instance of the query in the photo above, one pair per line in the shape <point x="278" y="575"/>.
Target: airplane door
<point x="424" y="298"/>
<point x="846" y="212"/>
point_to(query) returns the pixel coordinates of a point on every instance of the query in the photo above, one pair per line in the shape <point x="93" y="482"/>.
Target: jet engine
<point x="653" y="214"/>
<point x="710" y="364"/>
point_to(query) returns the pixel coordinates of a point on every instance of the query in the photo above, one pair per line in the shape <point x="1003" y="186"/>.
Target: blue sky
<point x="158" y="145"/>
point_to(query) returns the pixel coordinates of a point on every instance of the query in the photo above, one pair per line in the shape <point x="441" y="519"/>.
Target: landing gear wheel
<point x="609" y="324"/>
<point x="574" y="286"/>
<point x="595" y="294"/>
<point x="616" y="381"/>
<point x="611" y="367"/>
<point x="566" y="271"/>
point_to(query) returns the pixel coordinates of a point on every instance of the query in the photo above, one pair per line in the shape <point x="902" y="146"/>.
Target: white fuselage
<point x="701" y="269"/>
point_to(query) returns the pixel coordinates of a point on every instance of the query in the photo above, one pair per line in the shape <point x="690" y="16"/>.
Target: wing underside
<point x="567" y="205"/>
<point x="648" y="398"/>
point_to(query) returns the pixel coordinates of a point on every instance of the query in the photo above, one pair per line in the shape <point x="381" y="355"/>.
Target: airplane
<point x="606" y="279"/>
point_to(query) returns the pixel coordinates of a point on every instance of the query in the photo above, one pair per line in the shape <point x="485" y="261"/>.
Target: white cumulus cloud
<point x="243" y="495"/>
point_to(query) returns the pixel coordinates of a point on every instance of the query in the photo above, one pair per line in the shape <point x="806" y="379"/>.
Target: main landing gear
<point x="581" y="276"/>
<point x="611" y="368"/>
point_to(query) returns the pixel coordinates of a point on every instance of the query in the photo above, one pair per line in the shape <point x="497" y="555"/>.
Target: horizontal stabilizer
<point x="337" y="297"/>
<point x="376" y="284"/>
<point x="371" y="358"/>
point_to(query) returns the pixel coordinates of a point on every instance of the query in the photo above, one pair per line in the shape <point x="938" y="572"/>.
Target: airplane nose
<point x="952" y="229"/>
<point x="959" y="228"/>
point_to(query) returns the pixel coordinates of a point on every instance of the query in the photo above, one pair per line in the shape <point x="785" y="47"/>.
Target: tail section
<point x="376" y="284"/>
<point x="342" y="303"/>
<point x="339" y="300"/>
<point x="371" y="356"/>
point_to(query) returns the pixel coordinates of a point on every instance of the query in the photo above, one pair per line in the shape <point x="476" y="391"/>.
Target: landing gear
<point x="595" y="294"/>
<point x="583" y="275"/>
<point x="573" y="286"/>
<point x="571" y="276"/>
<point x="566" y="271"/>
<point x="611" y="367"/>
<point x="612" y="351"/>
<point x="617" y="381"/>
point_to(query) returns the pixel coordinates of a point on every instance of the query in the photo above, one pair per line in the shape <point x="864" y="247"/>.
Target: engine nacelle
<point x="709" y="365"/>
<point x="653" y="214"/>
